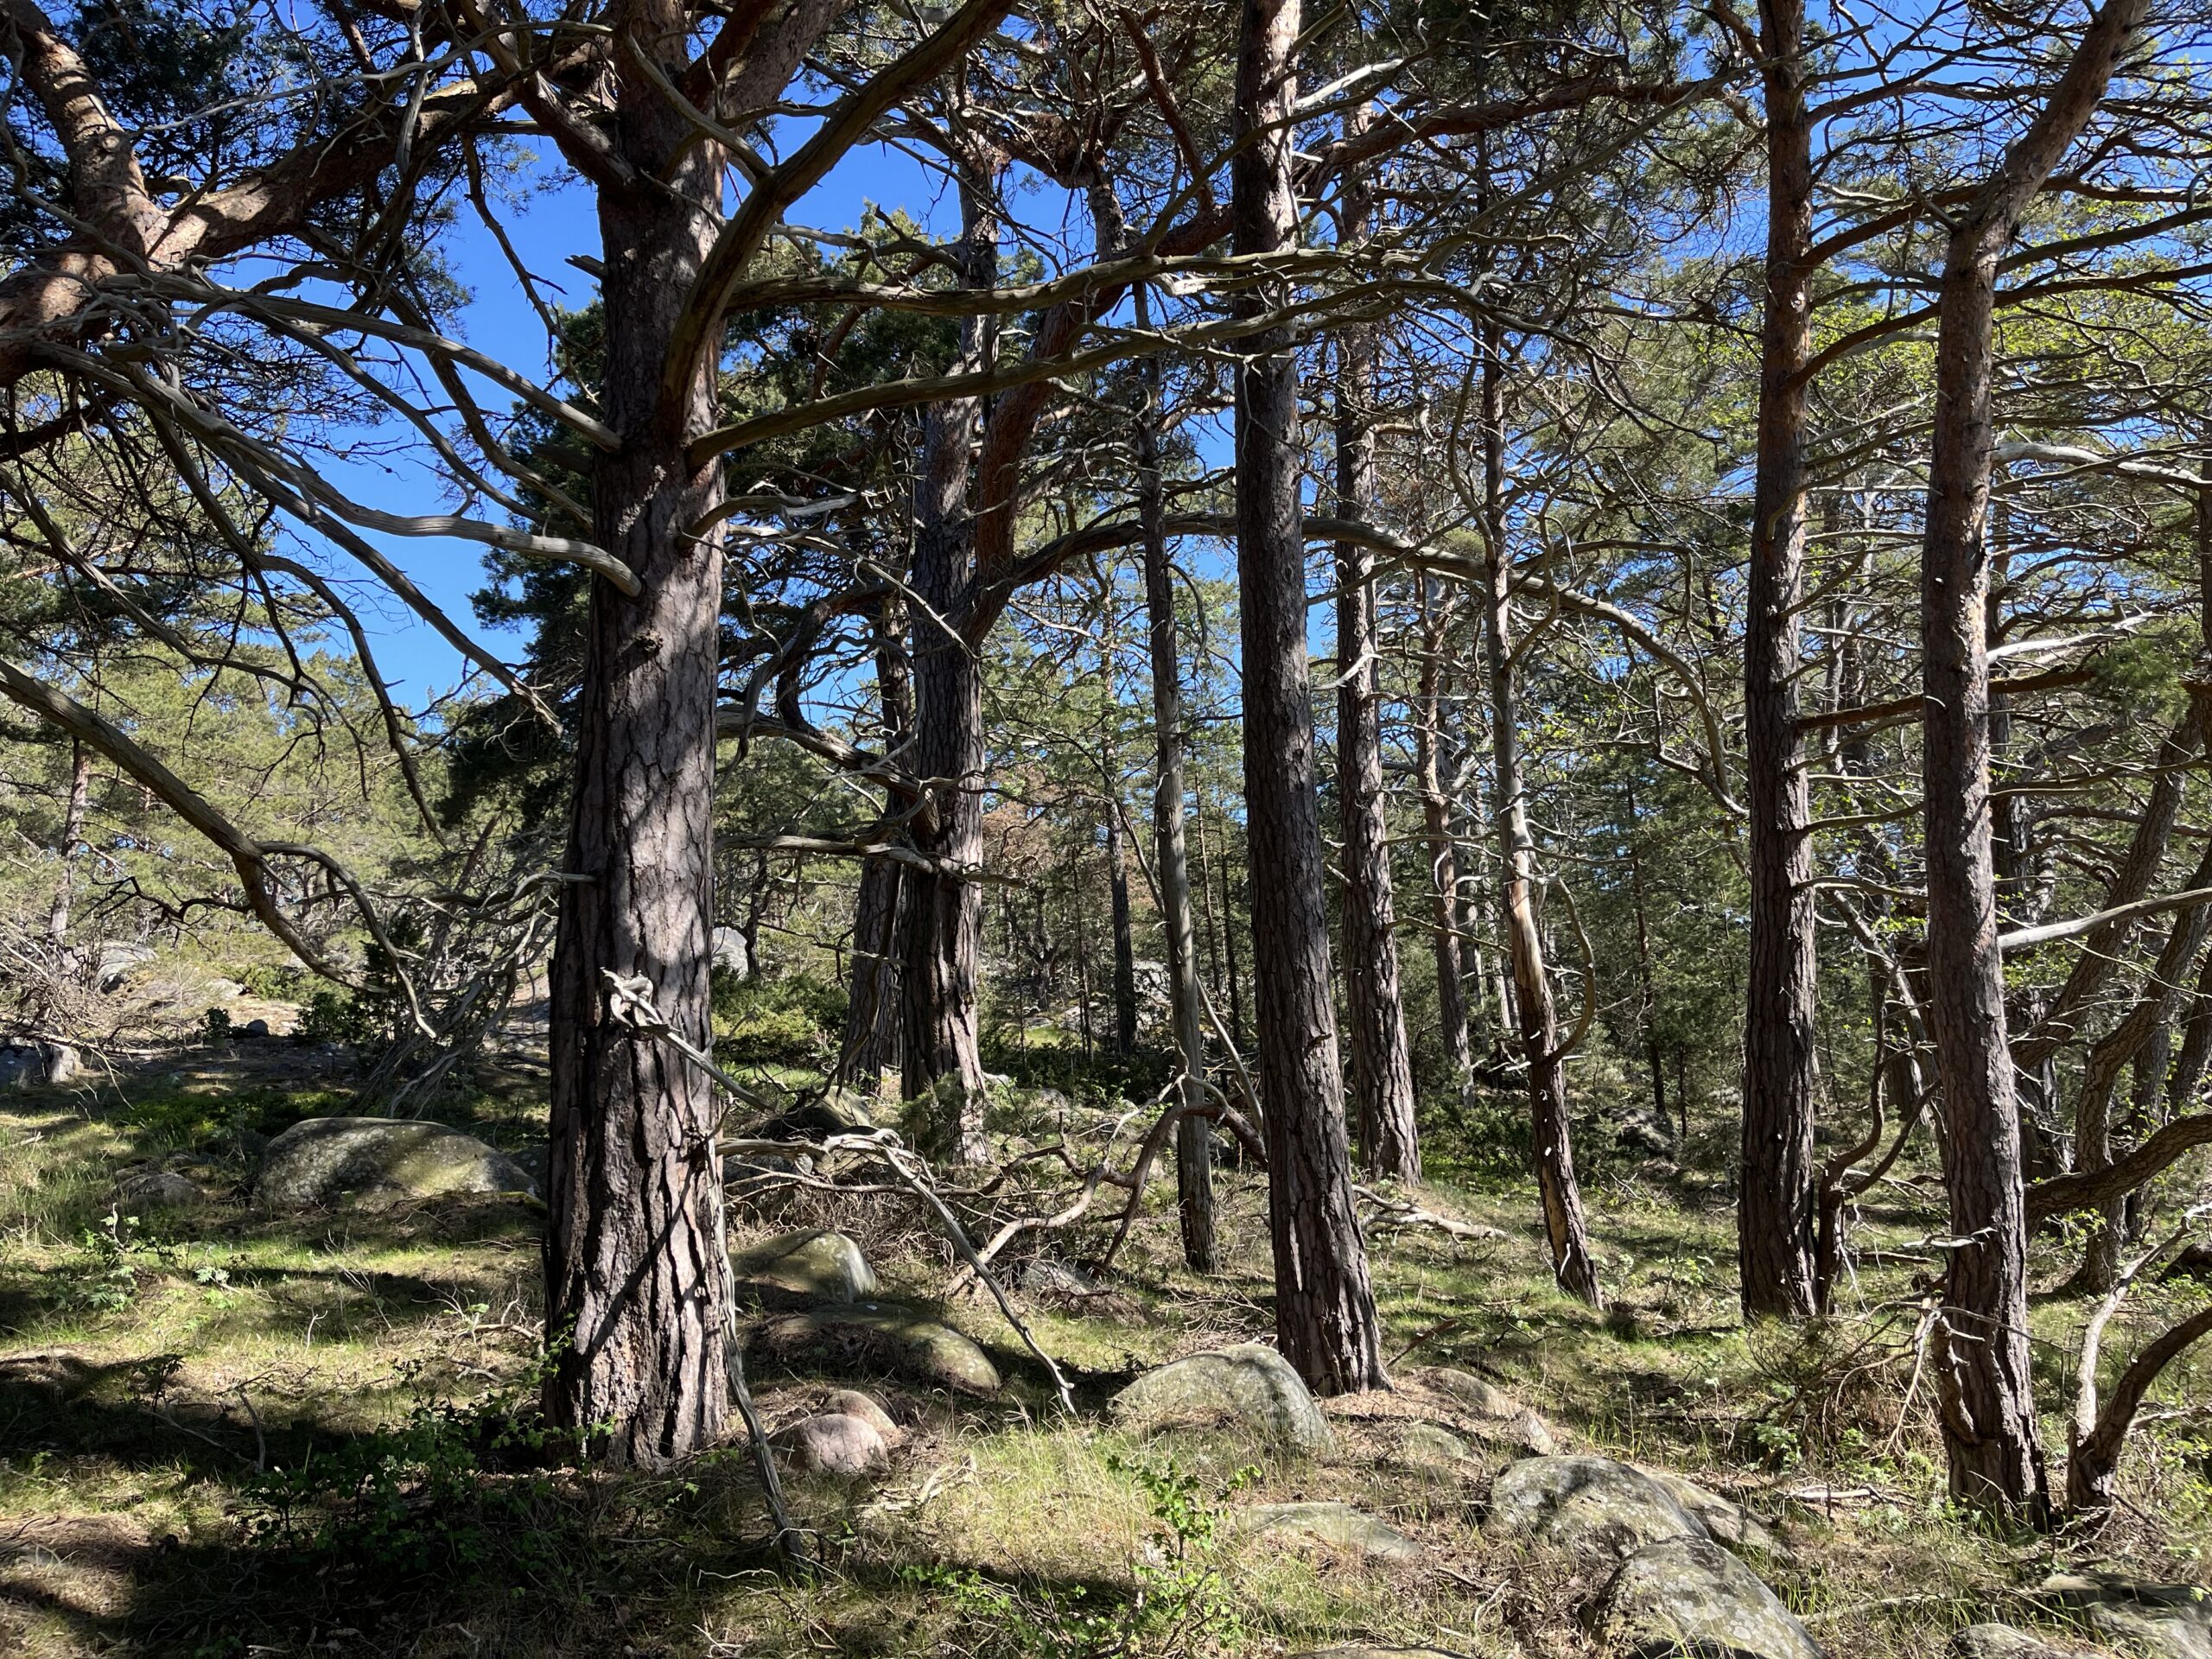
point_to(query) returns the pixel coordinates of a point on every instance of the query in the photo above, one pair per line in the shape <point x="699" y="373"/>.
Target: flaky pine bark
<point x="1382" y="1061"/>
<point x="1984" y="1384"/>
<point x="1776" y="1210"/>
<point x="635" y="1279"/>
<point x="943" y="1056"/>
<point x="1324" y="1306"/>
<point x="1550" y="1135"/>
<point x="1193" y="1137"/>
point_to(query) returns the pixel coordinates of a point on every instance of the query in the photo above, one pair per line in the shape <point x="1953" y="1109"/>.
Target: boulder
<point x="838" y="1111"/>
<point x="324" y="1160"/>
<point x="2001" y="1642"/>
<point x="155" y="1187"/>
<point x="2157" y="1621"/>
<point x="254" y="1028"/>
<point x="1726" y="1522"/>
<point x="223" y="990"/>
<point x="1592" y="1507"/>
<point x="1494" y="1416"/>
<point x="27" y="1066"/>
<point x="730" y="954"/>
<point x="851" y="1403"/>
<point x="814" y="1263"/>
<point x="884" y="1337"/>
<point x="1689" y="1595"/>
<point x="834" y="1443"/>
<point x="1249" y="1384"/>
<point x="1337" y="1525"/>
<point x="62" y="1063"/>
<point x="1429" y="1446"/>
<point x="114" y="961"/>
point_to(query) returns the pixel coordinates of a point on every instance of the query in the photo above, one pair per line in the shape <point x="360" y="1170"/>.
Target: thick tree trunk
<point x="1985" y="1382"/>
<point x="1777" y="1210"/>
<point x="1193" y="1135"/>
<point x="634" y="1267"/>
<point x="1551" y="1138"/>
<point x="1381" y="1062"/>
<point x="943" y="1059"/>
<point x="1325" y="1307"/>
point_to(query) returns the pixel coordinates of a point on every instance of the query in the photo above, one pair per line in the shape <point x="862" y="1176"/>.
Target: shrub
<point x="794" y="1019"/>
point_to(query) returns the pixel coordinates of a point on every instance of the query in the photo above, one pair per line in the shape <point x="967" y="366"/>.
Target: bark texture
<point x="1984" y="1384"/>
<point x="1382" y="1060"/>
<point x="1324" y="1306"/>
<point x="1777" y="1210"/>
<point x="634" y="1245"/>
<point x="1193" y="1137"/>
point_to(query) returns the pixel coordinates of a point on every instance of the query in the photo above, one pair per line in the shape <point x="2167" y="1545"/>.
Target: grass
<point x="172" y="1381"/>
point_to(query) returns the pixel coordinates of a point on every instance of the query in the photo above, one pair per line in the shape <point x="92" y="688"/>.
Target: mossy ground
<point x="155" y="1377"/>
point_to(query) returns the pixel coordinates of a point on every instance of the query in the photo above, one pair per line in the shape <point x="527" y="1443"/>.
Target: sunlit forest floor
<point x="229" y="1434"/>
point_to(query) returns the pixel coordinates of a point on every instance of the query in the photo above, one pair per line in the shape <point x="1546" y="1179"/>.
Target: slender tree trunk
<point x="1984" y="1381"/>
<point x="1550" y="1135"/>
<point x="1647" y="987"/>
<point x="72" y="844"/>
<point x="1193" y="1136"/>
<point x="1117" y="887"/>
<point x="634" y="1267"/>
<point x="1232" y="972"/>
<point x="871" y="1046"/>
<point x="943" y="1055"/>
<point x="1382" y="1061"/>
<point x="1777" y="1212"/>
<point x="1429" y="743"/>
<point x="1325" y="1308"/>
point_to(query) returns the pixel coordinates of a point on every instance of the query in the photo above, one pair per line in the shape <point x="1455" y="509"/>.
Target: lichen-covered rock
<point x="851" y="1403"/>
<point x="1728" y="1522"/>
<point x="2158" y="1621"/>
<point x="326" y="1161"/>
<point x="1337" y="1525"/>
<point x="1493" y="1416"/>
<point x="886" y="1337"/>
<point x="816" y="1263"/>
<point x="1690" y="1596"/>
<point x="2002" y="1641"/>
<point x="1472" y="1393"/>
<point x="835" y="1111"/>
<point x="1248" y="1384"/>
<point x="153" y="1185"/>
<point x="1592" y="1507"/>
<point x="834" y="1443"/>
<point x="1429" y="1446"/>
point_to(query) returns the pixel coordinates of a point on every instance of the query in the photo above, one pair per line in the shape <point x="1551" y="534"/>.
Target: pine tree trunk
<point x="1553" y="1145"/>
<point x="1193" y="1136"/>
<point x="634" y="1267"/>
<point x="1325" y="1308"/>
<point x="73" y="844"/>
<point x="1117" y="893"/>
<point x="1777" y="1212"/>
<point x="942" y="1059"/>
<point x="1429" y="745"/>
<point x="871" y="1044"/>
<point x="1381" y="1063"/>
<point x="1984" y="1381"/>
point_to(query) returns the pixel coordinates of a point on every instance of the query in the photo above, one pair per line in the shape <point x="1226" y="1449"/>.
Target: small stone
<point x="2001" y="1642"/>
<point x="834" y="1443"/>
<point x="2158" y="1621"/>
<point x="322" y="1160"/>
<point x="887" y="1338"/>
<point x="814" y="1263"/>
<point x="1592" y="1507"/>
<point x="851" y="1403"/>
<point x="1429" y="1446"/>
<point x="1690" y="1596"/>
<point x="1249" y="1384"/>
<point x="1473" y="1393"/>
<point x="62" y="1063"/>
<point x="1337" y="1525"/>
<point x="157" y="1187"/>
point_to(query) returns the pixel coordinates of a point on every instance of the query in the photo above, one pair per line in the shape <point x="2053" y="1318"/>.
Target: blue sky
<point x="557" y="221"/>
